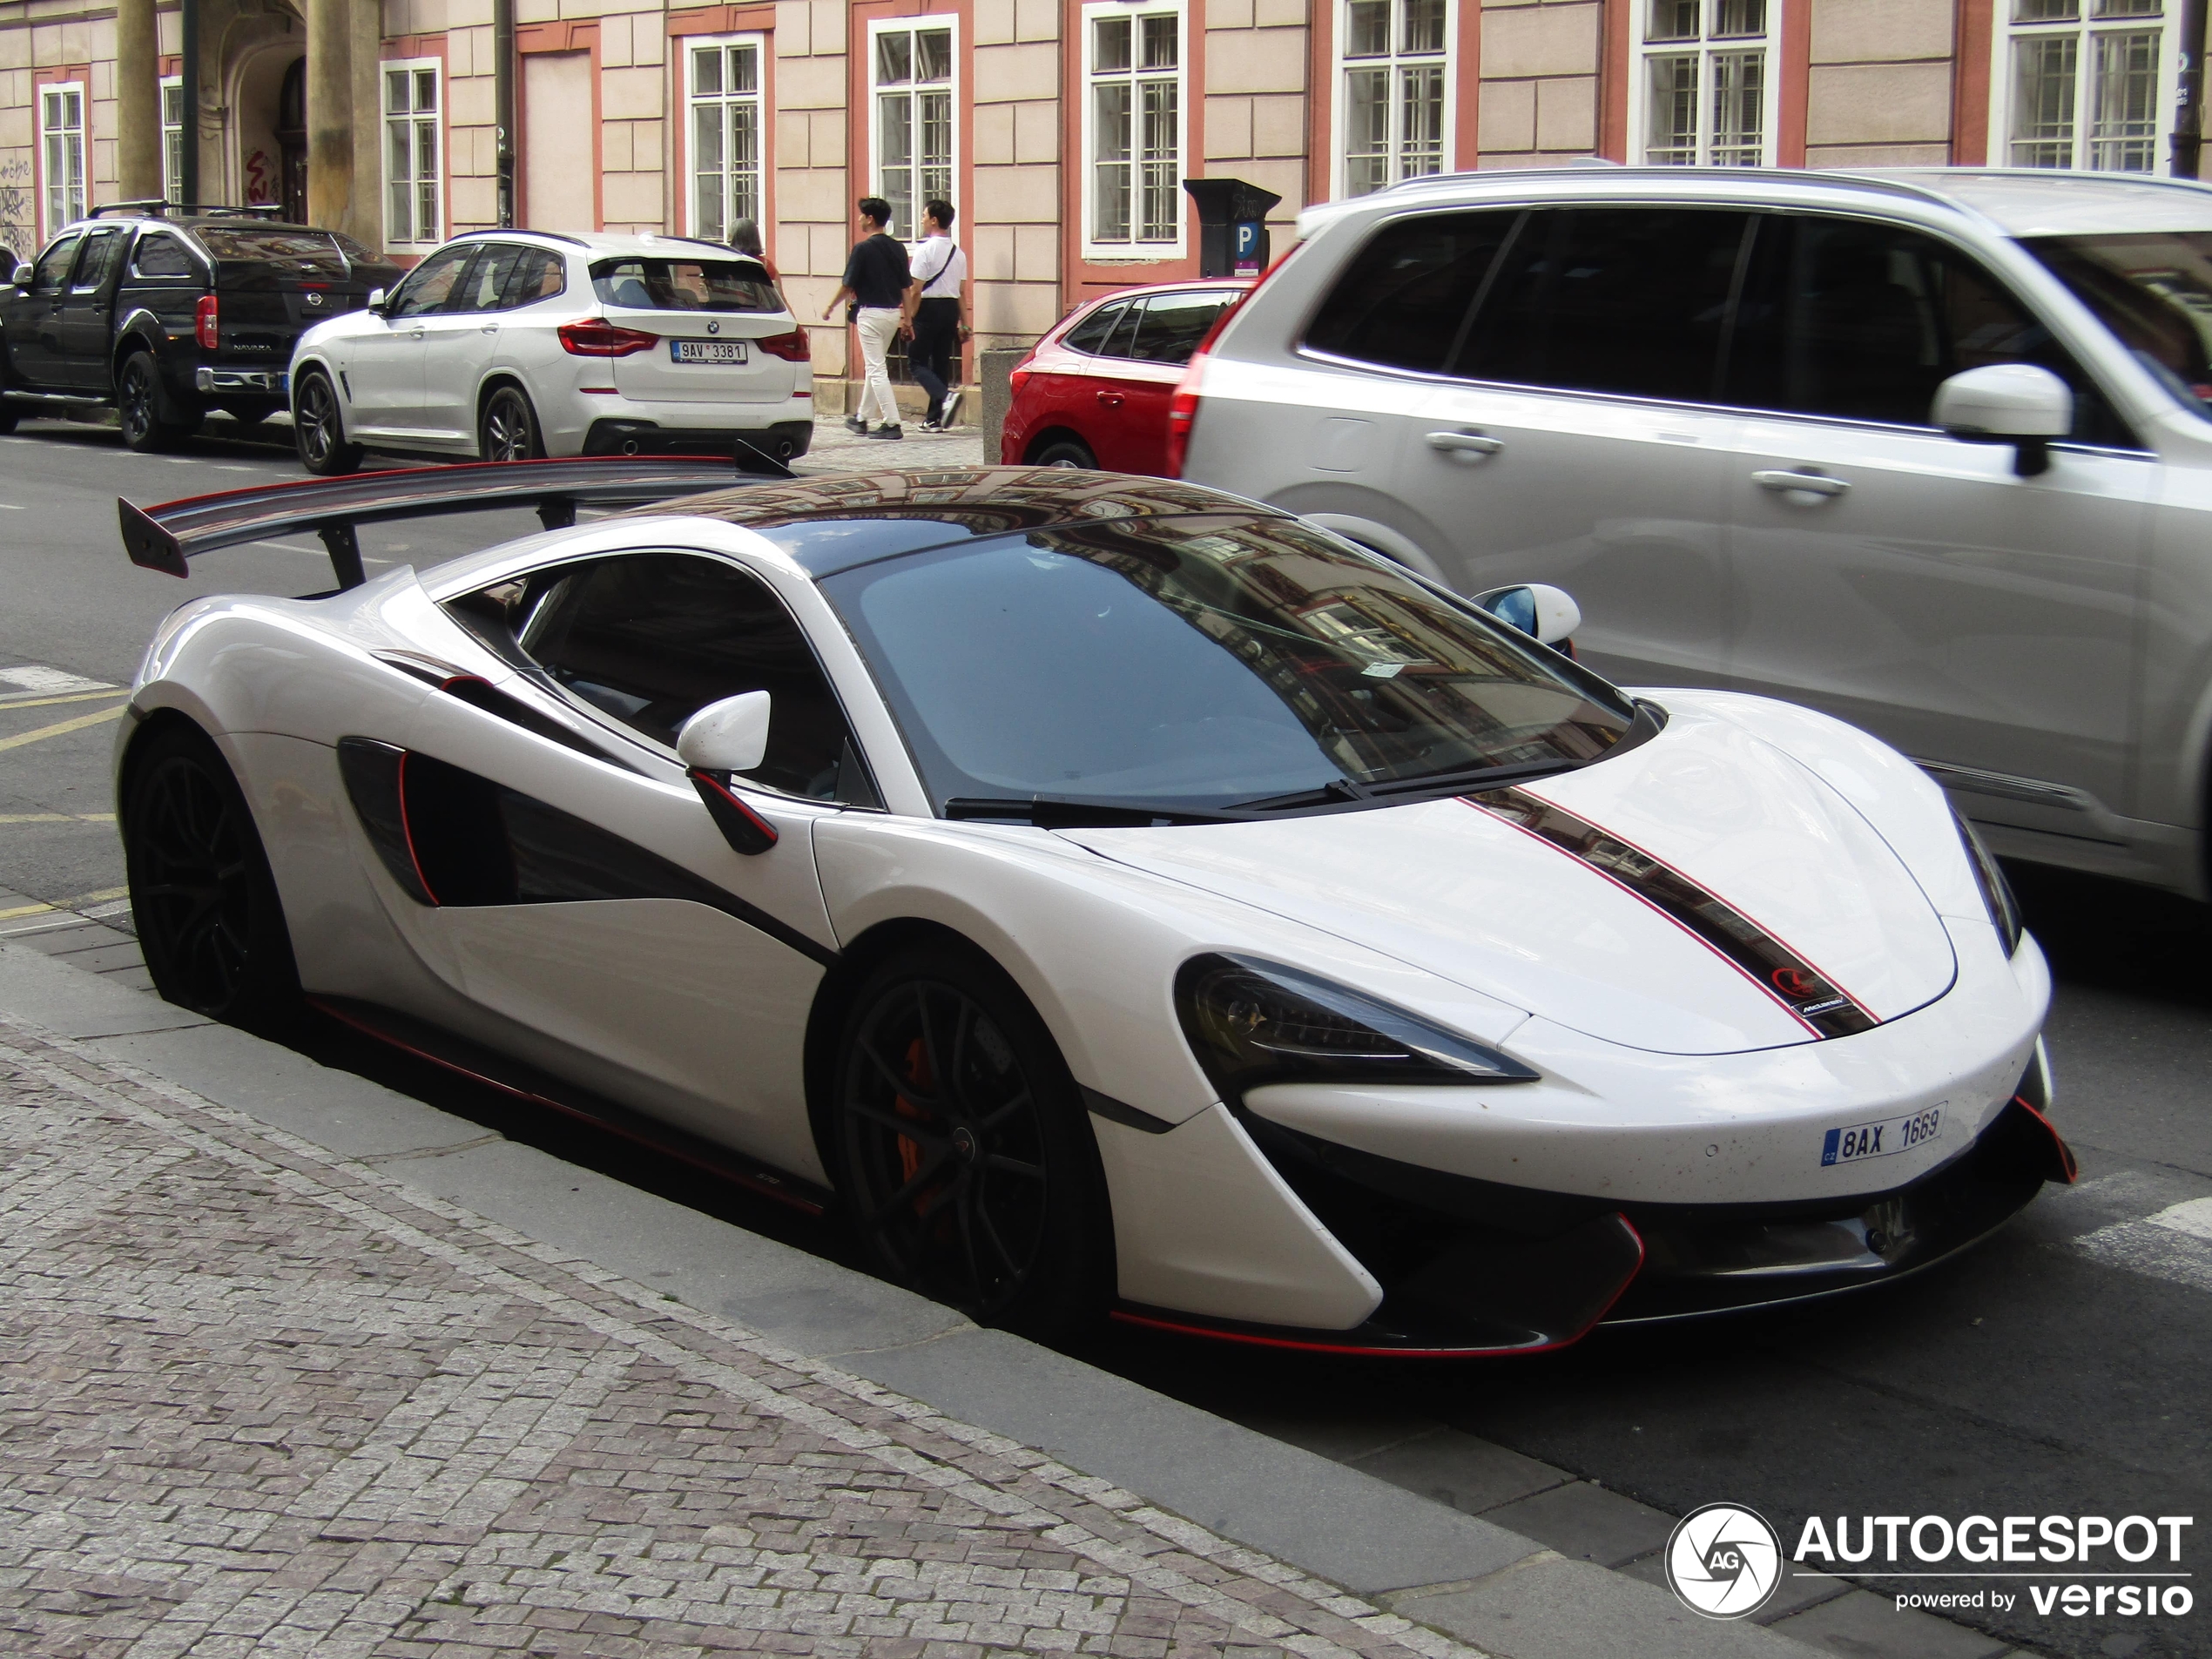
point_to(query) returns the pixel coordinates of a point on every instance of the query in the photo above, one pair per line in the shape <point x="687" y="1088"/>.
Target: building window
<point x="2085" y="90"/>
<point x="1133" y="127"/>
<point x="914" y="117"/>
<point x="726" y="127"/>
<point x="61" y="131"/>
<point x="413" y="180"/>
<point x="172" y="137"/>
<point x="1706" y="83"/>
<point x="1395" y="57"/>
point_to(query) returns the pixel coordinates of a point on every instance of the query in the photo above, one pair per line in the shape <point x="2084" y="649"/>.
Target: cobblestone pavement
<point x="258" y="1399"/>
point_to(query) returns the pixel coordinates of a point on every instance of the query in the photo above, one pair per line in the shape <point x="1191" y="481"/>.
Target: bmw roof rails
<point x="519" y="230"/>
<point x="164" y="538"/>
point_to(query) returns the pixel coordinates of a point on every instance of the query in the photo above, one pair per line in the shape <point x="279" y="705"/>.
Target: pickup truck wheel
<point x="137" y="401"/>
<point x="319" y="431"/>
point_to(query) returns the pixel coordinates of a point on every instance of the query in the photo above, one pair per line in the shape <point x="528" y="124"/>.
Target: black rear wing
<point x="164" y="538"/>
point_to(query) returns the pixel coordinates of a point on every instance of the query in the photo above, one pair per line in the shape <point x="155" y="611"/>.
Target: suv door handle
<point x="1809" y="483"/>
<point x="1464" y="443"/>
<point x="1110" y="399"/>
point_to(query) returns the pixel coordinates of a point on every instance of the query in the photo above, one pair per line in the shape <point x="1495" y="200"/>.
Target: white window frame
<point x="52" y="215"/>
<point x="758" y="97"/>
<point x="877" y="27"/>
<point x="1340" y="100"/>
<point x="1097" y="253"/>
<point x="2084" y="27"/>
<point x="172" y="140"/>
<point x="385" y="117"/>
<point x="1705" y="48"/>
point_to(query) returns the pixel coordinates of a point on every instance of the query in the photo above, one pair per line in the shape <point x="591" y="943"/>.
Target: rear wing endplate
<point x="165" y="537"/>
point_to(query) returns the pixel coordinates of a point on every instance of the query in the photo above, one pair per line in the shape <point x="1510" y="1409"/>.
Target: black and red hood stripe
<point x="1811" y="997"/>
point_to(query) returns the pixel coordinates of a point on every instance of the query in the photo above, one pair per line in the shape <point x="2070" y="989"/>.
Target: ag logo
<point x="1724" y="1561"/>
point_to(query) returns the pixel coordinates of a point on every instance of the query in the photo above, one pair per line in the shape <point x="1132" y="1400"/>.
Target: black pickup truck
<point x="164" y="312"/>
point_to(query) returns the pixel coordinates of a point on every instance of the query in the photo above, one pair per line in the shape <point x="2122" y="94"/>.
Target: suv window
<point x="685" y="285"/>
<point x="538" y="274"/>
<point x="430" y="285"/>
<point x="1089" y="334"/>
<point x="484" y="287"/>
<point x="1631" y="301"/>
<point x="52" y="268"/>
<point x="161" y="256"/>
<point x="1858" y="319"/>
<point x="1401" y="301"/>
<point x="651" y="639"/>
<point x="98" y="264"/>
<point x="1173" y="324"/>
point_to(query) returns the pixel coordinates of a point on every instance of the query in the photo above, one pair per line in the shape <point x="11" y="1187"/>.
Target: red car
<point x="1095" y="392"/>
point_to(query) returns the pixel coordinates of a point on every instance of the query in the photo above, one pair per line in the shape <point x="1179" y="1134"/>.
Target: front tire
<point x="509" y="429"/>
<point x="962" y="1149"/>
<point x="138" y="399"/>
<point x="318" y="431"/>
<point x="208" y="915"/>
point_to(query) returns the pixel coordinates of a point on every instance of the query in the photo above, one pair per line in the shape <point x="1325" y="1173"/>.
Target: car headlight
<point x="1251" y="1023"/>
<point x="1996" y="891"/>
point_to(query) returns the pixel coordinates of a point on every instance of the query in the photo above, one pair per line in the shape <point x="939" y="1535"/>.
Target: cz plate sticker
<point x="1885" y="1139"/>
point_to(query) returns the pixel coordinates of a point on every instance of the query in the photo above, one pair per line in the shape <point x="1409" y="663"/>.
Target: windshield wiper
<point x="1458" y="783"/>
<point x="1061" y="812"/>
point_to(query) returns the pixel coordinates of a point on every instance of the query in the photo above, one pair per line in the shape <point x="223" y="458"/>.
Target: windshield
<point x="685" y="285"/>
<point x="1189" y="662"/>
<point x="2153" y="289"/>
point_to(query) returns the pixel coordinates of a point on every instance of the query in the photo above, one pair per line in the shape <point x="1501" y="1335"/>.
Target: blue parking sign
<point x="1247" y="248"/>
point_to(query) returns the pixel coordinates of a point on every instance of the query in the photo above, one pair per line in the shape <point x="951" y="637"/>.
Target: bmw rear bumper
<point x="631" y="435"/>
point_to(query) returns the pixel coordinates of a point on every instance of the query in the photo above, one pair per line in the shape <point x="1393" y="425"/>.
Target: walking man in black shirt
<point x="875" y="287"/>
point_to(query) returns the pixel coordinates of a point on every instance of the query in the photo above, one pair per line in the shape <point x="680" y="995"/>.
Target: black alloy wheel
<point x="137" y="400"/>
<point x="965" y="1155"/>
<point x="206" y="908"/>
<point x="318" y="429"/>
<point x="1066" y="452"/>
<point x="509" y="431"/>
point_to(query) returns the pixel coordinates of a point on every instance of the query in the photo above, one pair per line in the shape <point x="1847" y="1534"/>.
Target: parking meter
<point x="1232" y="225"/>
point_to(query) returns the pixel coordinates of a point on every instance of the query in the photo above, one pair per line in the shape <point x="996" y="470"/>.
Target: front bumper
<point x="1475" y="1267"/>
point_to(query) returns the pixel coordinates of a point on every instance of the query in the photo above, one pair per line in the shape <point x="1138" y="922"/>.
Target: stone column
<point x="137" y="102"/>
<point x="330" y="111"/>
<point x="364" y="220"/>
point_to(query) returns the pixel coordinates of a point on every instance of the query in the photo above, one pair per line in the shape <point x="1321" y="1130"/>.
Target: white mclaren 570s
<point x="1113" y="896"/>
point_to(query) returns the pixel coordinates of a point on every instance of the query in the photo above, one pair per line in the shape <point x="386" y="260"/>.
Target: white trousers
<point x="879" y="327"/>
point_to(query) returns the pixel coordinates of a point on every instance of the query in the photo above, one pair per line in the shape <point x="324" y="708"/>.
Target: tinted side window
<point x="651" y="639"/>
<point x="483" y="288"/>
<point x="1862" y="320"/>
<point x="1089" y="334"/>
<point x="537" y="275"/>
<point x="429" y="286"/>
<point x="1401" y="300"/>
<point x="1629" y="300"/>
<point x="1173" y="324"/>
<point x="161" y="256"/>
<point x="53" y="266"/>
<point x="101" y="251"/>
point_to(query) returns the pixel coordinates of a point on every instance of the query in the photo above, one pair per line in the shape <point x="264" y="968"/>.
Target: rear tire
<point x="318" y="429"/>
<point x="962" y="1149"/>
<point x="1066" y="452"/>
<point x="209" y="918"/>
<point x="509" y="429"/>
<point x="138" y="399"/>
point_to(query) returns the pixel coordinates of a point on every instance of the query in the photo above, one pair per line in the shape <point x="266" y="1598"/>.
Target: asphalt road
<point x="2063" y="1368"/>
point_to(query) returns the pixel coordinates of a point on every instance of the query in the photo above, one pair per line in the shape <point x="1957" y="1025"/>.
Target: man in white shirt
<point x="936" y="308"/>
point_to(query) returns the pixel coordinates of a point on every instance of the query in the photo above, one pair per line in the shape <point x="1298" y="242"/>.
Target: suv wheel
<point x="1066" y="452"/>
<point x="318" y="431"/>
<point x="137" y="401"/>
<point x="508" y="430"/>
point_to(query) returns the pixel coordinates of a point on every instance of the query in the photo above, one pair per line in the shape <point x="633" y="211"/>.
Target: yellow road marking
<point x="62" y="727"/>
<point x="57" y="818"/>
<point x="104" y="894"/>
<point x="70" y="697"/>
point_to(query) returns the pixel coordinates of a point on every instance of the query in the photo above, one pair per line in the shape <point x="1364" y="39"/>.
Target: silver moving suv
<point x="1929" y="450"/>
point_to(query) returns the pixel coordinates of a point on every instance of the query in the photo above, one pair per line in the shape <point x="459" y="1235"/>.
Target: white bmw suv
<point x="508" y="344"/>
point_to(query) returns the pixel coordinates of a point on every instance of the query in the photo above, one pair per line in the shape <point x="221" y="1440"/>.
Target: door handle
<point x="491" y="328"/>
<point x="1808" y="483"/>
<point x="1464" y="443"/>
<point x="1110" y="399"/>
<point x="416" y="335"/>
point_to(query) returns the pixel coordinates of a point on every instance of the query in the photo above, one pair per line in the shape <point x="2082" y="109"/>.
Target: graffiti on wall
<point x="18" y="223"/>
<point x="259" y="188"/>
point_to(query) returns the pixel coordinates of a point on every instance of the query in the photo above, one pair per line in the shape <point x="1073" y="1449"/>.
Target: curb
<point x="1469" y="1578"/>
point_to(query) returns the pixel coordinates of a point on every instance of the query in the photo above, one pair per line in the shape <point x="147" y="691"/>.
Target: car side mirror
<point x="723" y="738"/>
<point x="23" y="274"/>
<point x="376" y="298"/>
<point x="1547" y="614"/>
<point x="2014" y="403"/>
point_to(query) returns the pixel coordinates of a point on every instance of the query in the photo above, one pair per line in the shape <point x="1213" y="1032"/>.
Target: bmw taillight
<point x="791" y="347"/>
<point x="205" y="322"/>
<point x="597" y="337"/>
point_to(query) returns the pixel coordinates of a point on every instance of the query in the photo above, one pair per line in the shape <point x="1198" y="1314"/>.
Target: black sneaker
<point x="932" y="422"/>
<point x="854" y="423"/>
<point x="891" y="432"/>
